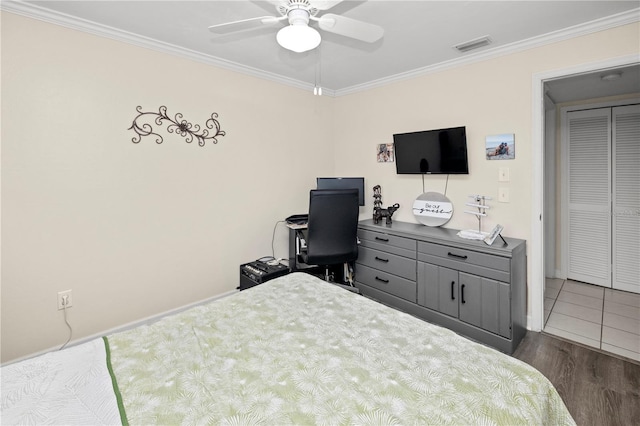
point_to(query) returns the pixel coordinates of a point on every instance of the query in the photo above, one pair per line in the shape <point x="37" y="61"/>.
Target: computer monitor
<point x="343" y="183"/>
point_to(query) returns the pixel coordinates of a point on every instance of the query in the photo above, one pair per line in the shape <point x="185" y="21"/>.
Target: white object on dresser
<point x="479" y="202"/>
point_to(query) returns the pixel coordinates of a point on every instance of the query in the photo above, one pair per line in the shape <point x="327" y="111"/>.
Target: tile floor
<point x="594" y="316"/>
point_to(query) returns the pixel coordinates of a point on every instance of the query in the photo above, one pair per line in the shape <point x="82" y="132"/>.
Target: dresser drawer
<point x="387" y="262"/>
<point x="462" y="256"/>
<point x="388" y="283"/>
<point x="390" y="243"/>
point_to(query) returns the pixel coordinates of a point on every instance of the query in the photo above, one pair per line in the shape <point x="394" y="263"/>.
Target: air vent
<point x="473" y="44"/>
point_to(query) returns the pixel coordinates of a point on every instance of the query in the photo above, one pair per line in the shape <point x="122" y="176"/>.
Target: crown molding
<point x="72" y="22"/>
<point x="36" y="12"/>
<point x="602" y="24"/>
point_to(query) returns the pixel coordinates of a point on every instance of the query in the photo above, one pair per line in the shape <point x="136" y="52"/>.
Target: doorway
<point x="550" y="90"/>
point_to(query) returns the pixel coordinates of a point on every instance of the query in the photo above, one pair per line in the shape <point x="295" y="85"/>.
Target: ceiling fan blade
<point x="350" y="27"/>
<point x="244" y="24"/>
<point x="324" y="4"/>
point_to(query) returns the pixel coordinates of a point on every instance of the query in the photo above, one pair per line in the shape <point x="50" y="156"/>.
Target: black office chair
<point x="332" y="231"/>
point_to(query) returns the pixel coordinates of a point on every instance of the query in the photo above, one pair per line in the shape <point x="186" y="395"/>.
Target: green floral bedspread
<point x="297" y="350"/>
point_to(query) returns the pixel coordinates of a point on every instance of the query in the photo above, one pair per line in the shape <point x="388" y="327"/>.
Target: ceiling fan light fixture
<point x="298" y="38"/>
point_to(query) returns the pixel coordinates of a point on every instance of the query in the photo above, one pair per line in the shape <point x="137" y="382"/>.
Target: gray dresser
<point x="472" y="288"/>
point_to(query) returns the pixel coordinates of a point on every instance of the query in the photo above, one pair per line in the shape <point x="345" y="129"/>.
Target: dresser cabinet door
<point x="448" y="297"/>
<point x="485" y="303"/>
<point x="428" y="285"/>
<point x="438" y="288"/>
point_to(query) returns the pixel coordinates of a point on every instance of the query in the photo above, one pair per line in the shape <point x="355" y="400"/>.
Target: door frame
<point x="535" y="320"/>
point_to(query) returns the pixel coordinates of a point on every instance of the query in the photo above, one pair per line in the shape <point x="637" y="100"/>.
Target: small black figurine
<point x="379" y="213"/>
<point x="377" y="196"/>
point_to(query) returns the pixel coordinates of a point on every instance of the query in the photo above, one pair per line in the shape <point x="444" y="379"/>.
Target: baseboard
<point x="145" y="321"/>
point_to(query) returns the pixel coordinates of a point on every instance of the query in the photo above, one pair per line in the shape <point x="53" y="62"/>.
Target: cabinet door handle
<point x="386" y="240"/>
<point x="456" y="255"/>
<point x="381" y="259"/>
<point x="462" y="294"/>
<point x="453" y="295"/>
<point x="382" y="280"/>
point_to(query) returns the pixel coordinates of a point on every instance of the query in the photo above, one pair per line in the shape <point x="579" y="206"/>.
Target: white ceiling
<point x="419" y="35"/>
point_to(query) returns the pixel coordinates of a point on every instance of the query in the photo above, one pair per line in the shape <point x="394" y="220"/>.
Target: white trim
<point x="68" y="21"/>
<point x="144" y="321"/>
<point x="564" y="202"/>
<point x="79" y="24"/>
<point x="596" y="105"/>
<point x="550" y="205"/>
<point x="536" y="250"/>
<point x="602" y="24"/>
<point x="535" y="320"/>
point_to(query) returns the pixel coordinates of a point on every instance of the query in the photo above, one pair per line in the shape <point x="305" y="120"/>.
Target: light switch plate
<point x="503" y="195"/>
<point x="503" y="174"/>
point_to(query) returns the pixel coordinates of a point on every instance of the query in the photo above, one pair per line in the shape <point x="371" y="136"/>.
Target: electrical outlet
<point x="503" y="195"/>
<point x="64" y="299"/>
<point x="503" y="174"/>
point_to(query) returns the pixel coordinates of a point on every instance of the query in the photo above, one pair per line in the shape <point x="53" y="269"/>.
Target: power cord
<point x="68" y="325"/>
<point x="273" y="237"/>
<point x="445" y="185"/>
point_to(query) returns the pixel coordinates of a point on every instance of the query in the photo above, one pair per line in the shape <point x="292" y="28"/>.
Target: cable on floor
<point x="68" y="325"/>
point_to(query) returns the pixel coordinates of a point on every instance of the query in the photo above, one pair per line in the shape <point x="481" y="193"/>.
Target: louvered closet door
<point x="626" y="198"/>
<point x="589" y="193"/>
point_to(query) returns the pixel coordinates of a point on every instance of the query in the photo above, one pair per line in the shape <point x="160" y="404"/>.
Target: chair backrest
<point x="332" y="226"/>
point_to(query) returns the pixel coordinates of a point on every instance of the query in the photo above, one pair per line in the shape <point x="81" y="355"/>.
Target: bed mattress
<point x="297" y="350"/>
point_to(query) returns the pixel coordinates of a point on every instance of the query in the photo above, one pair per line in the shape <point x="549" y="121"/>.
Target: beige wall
<point x="136" y="230"/>
<point x="489" y="97"/>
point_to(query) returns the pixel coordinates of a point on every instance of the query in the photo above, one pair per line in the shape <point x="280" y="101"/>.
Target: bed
<point x="295" y="350"/>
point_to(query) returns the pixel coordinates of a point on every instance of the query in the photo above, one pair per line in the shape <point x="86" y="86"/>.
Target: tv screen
<point x="343" y="183"/>
<point x="442" y="151"/>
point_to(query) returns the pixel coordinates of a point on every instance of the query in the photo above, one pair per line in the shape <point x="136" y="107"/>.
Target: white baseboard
<point x="145" y="321"/>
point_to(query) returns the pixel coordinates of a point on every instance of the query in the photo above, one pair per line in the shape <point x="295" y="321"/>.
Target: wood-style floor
<point x="598" y="389"/>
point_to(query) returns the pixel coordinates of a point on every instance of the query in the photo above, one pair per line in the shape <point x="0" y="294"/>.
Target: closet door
<point x="626" y="198"/>
<point x="589" y="196"/>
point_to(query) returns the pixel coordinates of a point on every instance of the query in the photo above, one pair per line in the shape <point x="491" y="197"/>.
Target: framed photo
<point x="495" y="233"/>
<point x="385" y="153"/>
<point x="501" y="147"/>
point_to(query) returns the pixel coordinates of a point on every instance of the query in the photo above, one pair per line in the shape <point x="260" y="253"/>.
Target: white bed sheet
<point x="68" y="387"/>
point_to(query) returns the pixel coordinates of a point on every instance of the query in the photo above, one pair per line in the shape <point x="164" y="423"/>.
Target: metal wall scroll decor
<point x="178" y="125"/>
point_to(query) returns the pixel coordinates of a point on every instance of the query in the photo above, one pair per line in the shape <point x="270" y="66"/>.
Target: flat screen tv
<point x="343" y="183"/>
<point x="441" y="151"/>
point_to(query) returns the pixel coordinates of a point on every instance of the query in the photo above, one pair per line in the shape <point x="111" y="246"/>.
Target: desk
<point x="294" y="248"/>
<point x="296" y="265"/>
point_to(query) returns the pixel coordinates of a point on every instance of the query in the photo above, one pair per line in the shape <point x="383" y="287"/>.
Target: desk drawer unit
<point x="388" y="243"/>
<point x="387" y="263"/>
<point x="386" y="282"/>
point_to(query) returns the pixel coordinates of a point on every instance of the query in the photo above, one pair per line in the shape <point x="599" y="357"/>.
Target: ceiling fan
<point x="298" y="36"/>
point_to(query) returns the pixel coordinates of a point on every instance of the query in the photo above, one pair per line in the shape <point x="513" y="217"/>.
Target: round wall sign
<point x="432" y="209"/>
